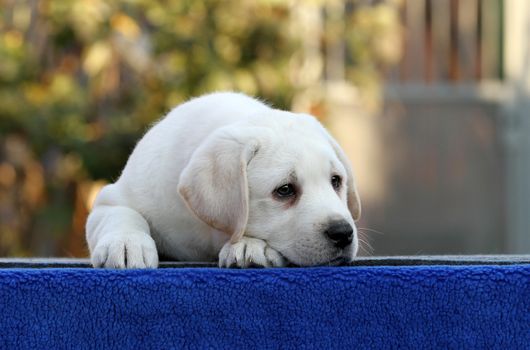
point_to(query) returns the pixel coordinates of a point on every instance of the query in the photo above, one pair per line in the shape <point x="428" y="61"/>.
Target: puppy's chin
<point x="339" y="261"/>
<point x="345" y="258"/>
<point x="341" y="258"/>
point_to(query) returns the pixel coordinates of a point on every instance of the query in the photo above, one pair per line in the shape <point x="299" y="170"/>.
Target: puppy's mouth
<point x="338" y="257"/>
<point x="338" y="261"/>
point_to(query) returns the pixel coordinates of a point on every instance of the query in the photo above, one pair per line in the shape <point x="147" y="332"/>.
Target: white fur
<point x="198" y="187"/>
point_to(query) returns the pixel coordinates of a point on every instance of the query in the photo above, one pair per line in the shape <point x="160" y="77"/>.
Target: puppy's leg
<point x="119" y="237"/>
<point x="248" y="252"/>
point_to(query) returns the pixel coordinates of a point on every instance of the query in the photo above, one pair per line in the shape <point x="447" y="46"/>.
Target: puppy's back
<point x="159" y="157"/>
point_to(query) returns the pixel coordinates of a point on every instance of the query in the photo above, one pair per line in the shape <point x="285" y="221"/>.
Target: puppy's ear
<point x="354" y="201"/>
<point x="214" y="183"/>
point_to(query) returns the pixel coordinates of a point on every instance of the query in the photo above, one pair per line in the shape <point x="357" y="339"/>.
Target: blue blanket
<point x="422" y="307"/>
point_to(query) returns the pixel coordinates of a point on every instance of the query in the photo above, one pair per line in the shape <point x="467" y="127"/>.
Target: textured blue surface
<point x="442" y="307"/>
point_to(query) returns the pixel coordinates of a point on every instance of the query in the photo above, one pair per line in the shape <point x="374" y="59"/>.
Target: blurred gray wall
<point x="445" y="174"/>
<point x="445" y="167"/>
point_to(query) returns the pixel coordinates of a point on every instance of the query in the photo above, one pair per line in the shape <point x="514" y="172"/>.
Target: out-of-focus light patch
<point x="307" y="70"/>
<point x="267" y="76"/>
<point x="36" y="94"/>
<point x="246" y="82"/>
<point x="21" y="16"/>
<point x="156" y="15"/>
<point x="226" y="47"/>
<point x="68" y="167"/>
<point x="62" y="86"/>
<point x="217" y="80"/>
<point x="135" y="51"/>
<point x="97" y="58"/>
<point x="186" y="26"/>
<point x="16" y="151"/>
<point x="125" y="25"/>
<point x="86" y="15"/>
<point x="8" y="175"/>
<point x="34" y="186"/>
<point x="13" y="39"/>
<point x="93" y="191"/>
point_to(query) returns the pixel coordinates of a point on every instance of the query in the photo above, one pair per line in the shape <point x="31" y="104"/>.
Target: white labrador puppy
<point x="226" y="177"/>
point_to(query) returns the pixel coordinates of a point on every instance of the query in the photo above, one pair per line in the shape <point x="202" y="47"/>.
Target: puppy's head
<point x="285" y="181"/>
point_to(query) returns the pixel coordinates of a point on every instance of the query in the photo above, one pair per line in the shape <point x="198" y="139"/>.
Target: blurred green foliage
<point x="80" y="81"/>
<point x="90" y="76"/>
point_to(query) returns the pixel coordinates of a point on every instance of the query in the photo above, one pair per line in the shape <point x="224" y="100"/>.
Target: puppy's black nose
<point x="340" y="233"/>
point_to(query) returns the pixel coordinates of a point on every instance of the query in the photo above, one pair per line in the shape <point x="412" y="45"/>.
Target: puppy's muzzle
<point x="340" y="233"/>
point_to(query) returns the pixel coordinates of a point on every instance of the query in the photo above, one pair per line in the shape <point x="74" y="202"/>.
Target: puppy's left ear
<point x="214" y="182"/>
<point x="354" y="202"/>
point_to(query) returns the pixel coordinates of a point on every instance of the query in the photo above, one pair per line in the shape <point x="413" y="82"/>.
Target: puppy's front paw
<point x="249" y="252"/>
<point x="131" y="250"/>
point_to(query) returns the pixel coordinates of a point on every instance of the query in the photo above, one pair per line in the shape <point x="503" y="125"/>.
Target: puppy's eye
<point x="336" y="181"/>
<point x="285" y="191"/>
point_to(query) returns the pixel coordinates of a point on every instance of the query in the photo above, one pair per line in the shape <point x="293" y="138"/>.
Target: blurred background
<point x="428" y="98"/>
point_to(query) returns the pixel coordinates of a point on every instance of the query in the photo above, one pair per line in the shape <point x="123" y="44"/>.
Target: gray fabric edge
<point x="359" y="261"/>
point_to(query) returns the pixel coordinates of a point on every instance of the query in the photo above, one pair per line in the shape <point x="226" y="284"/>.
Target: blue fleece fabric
<point x="424" y="307"/>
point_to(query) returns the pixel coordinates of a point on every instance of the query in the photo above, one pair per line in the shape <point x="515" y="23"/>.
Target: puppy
<point x="225" y="177"/>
